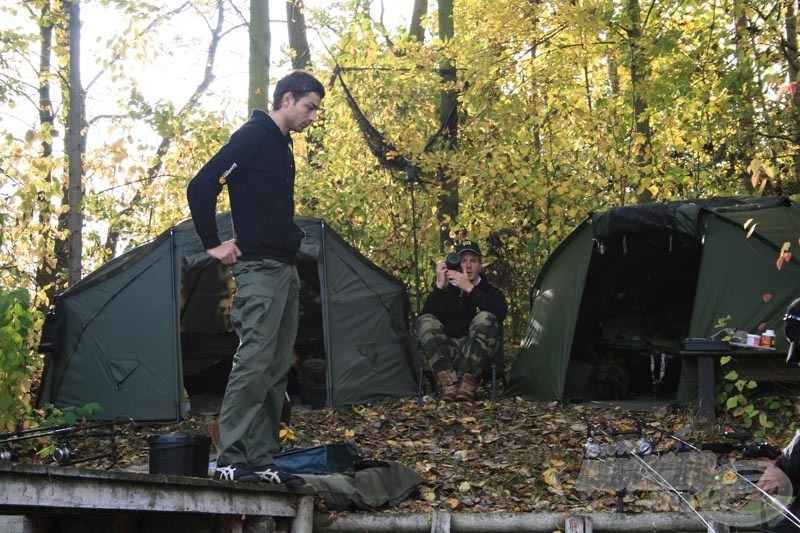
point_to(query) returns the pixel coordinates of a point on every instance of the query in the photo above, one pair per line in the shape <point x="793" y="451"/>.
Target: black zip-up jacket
<point x="789" y="461"/>
<point x="455" y="308"/>
<point x="258" y="166"/>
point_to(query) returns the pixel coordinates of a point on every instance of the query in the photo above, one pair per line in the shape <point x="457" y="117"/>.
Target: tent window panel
<point x="637" y="305"/>
<point x="122" y="369"/>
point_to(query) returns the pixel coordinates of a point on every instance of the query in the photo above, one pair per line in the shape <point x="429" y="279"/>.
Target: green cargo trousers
<point x="264" y="315"/>
<point x="457" y="356"/>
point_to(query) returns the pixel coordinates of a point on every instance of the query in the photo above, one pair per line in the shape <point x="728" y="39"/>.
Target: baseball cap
<point x="470" y="246"/>
<point x="791" y="328"/>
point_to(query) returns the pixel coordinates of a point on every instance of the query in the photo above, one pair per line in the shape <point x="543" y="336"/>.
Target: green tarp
<point x="646" y="277"/>
<point x="135" y="333"/>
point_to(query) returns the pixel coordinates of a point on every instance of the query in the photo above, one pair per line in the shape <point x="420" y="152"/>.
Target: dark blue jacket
<point x="258" y="166"/>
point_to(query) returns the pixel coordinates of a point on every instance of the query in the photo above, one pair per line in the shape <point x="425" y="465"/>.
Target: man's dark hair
<point x="299" y="83"/>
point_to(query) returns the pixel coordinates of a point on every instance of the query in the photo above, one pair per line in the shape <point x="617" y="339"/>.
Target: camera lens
<point x="453" y="261"/>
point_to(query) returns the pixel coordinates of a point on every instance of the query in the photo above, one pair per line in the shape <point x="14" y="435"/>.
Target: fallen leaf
<point x="550" y="477"/>
<point x="427" y="494"/>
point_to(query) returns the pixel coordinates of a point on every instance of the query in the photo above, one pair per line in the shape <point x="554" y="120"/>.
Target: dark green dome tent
<point x="638" y="280"/>
<point x="152" y="322"/>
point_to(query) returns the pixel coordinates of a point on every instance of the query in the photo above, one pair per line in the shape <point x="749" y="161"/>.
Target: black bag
<point x="611" y="382"/>
<point x="322" y="459"/>
<point x="50" y="341"/>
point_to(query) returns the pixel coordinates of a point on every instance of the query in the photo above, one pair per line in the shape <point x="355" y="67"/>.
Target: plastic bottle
<point x="768" y="339"/>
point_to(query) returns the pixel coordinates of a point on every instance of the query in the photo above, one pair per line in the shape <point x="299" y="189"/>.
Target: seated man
<point x="459" y="327"/>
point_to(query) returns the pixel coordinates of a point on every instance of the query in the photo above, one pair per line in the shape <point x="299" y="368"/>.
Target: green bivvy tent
<point x="152" y="324"/>
<point x="638" y="280"/>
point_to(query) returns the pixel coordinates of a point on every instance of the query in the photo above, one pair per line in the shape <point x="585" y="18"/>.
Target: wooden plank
<point x="38" y="488"/>
<point x="705" y="386"/>
<point x="440" y="522"/>
<point x="574" y="524"/>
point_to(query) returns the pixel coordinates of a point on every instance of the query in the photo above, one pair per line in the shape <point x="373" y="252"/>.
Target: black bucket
<point x="179" y="455"/>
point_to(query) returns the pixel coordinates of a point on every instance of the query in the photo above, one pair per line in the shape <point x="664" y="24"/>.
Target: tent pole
<point x="176" y="324"/>
<point x="412" y="178"/>
<point x="324" y="297"/>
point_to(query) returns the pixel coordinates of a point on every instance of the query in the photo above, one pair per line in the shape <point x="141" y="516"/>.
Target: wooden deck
<point x="65" y="499"/>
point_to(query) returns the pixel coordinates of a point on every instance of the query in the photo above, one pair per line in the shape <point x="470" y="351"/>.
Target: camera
<point x="453" y="262"/>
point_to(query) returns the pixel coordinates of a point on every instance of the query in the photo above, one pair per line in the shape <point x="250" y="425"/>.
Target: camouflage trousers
<point x="457" y="356"/>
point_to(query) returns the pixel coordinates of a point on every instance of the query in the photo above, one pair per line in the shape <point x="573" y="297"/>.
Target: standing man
<point x="459" y="327"/>
<point x="257" y="165"/>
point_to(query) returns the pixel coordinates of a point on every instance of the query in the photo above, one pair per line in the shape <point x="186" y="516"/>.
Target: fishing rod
<point x="679" y="472"/>
<point x="759" y="449"/>
<point x="641" y="448"/>
<point x="664" y="483"/>
<point x="65" y="452"/>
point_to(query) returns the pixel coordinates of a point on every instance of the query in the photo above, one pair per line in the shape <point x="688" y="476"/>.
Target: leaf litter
<point x="508" y="455"/>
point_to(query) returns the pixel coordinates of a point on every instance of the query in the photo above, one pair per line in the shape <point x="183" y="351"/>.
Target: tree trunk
<point x="298" y="42"/>
<point x="639" y="74"/>
<point x="791" y="54"/>
<point x="260" y="40"/>
<point x="49" y="273"/>
<point x="741" y="92"/>
<point x="448" y="119"/>
<point x="415" y="28"/>
<point x="74" y="142"/>
<point x="301" y="57"/>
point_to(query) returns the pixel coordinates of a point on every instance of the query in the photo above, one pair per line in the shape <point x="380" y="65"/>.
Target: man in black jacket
<point x="784" y="476"/>
<point x="257" y="165"/>
<point x="459" y="327"/>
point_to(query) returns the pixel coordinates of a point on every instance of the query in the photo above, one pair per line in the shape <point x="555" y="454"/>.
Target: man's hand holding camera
<point x="460" y="280"/>
<point x="446" y="275"/>
<point x="441" y="274"/>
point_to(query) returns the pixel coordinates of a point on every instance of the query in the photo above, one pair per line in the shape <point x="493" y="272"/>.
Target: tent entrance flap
<point x="636" y="308"/>
<point x="209" y="342"/>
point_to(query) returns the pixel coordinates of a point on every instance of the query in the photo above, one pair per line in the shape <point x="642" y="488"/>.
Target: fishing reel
<point x="641" y="447"/>
<point x="594" y="450"/>
<point x="65" y="452"/>
<point x="62" y="454"/>
<point x="8" y="454"/>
